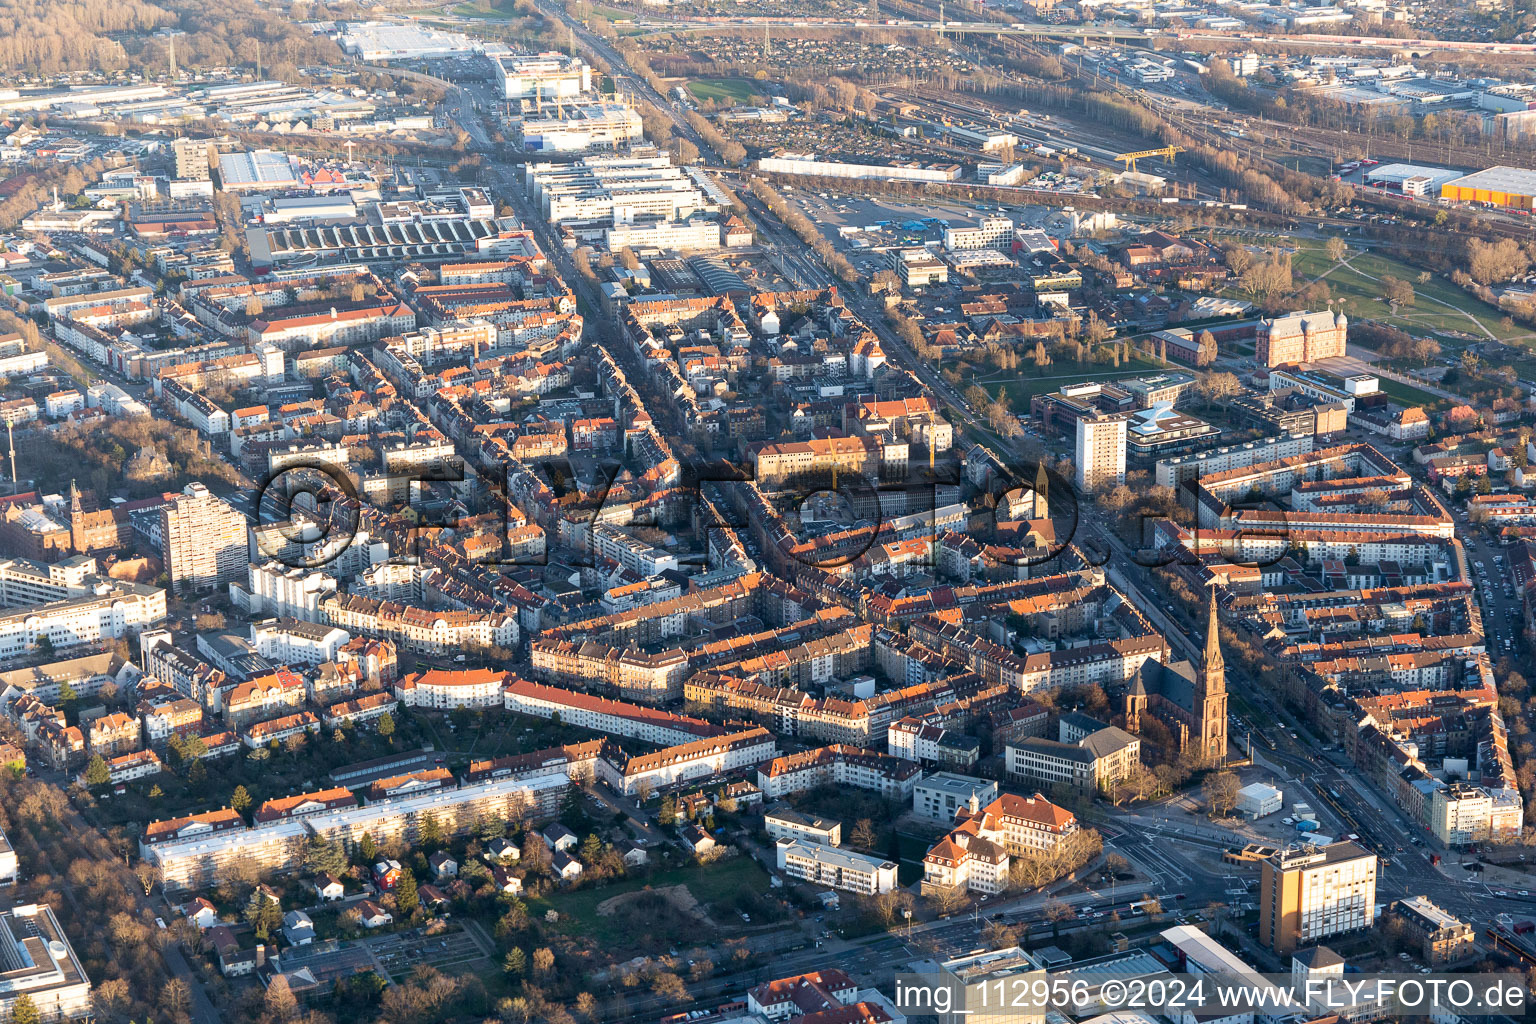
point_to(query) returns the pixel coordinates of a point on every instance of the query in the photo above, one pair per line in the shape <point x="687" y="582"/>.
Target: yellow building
<point x="1308" y="894"/>
<point x="1509" y="187"/>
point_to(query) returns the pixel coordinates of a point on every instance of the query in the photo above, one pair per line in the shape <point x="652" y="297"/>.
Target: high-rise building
<point x="1307" y="894"/>
<point x="1100" y="452"/>
<point x="202" y="541"/>
<point x="191" y="159"/>
<point x="980" y="975"/>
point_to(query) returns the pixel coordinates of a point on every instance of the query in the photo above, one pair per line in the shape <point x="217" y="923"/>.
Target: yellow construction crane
<point x="1129" y="159"/>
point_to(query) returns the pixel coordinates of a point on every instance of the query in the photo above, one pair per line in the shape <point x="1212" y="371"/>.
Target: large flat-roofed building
<point x="379" y="40"/>
<point x="1308" y="894"/>
<point x="580" y="128"/>
<point x="1173" y="471"/>
<point x="36" y="961"/>
<point x="1409" y="179"/>
<point x="1509" y="187"/>
<point x="611" y="190"/>
<point x="543" y="77"/>
<point x="259" y="170"/>
<point x="1159" y="431"/>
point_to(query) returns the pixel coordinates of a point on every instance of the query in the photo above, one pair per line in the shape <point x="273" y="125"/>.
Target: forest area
<point x="45" y="37"/>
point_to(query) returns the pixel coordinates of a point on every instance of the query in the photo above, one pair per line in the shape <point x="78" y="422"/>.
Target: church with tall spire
<point x="1189" y="701"/>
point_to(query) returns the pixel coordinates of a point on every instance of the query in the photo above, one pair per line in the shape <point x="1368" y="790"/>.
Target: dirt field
<point x="677" y="895"/>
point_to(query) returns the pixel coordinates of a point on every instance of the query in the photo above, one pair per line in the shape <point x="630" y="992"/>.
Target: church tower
<point x="1210" y="697"/>
<point x="1135" y="704"/>
<point x="1042" y="496"/>
<point x="77" y="539"/>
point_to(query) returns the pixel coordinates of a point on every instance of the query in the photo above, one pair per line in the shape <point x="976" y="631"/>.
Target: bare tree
<point x="945" y="899"/>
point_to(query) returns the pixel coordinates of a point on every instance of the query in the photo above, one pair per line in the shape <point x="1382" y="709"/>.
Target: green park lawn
<point x="1439" y="305"/>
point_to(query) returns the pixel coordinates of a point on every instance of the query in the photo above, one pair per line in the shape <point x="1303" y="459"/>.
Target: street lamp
<point x="907" y="913"/>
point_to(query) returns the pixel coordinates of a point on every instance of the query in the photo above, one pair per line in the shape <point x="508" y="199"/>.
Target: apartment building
<point x="289" y="641"/>
<point x="418" y="629"/>
<point x="604" y="715"/>
<point x="672" y="766"/>
<point x="1100" y="453"/>
<point x="192" y="853"/>
<point x="202" y="541"/>
<point x="653" y="676"/>
<point x="191" y="158"/>
<point x="835" y="867"/>
<point x="788" y="823"/>
<point x="1308" y="894"/>
<point x="139" y="764"/>
<point x="274" y="588"/>
<point x="1461" y="814"/>
<point x="777" y="463"/>
<point x="278" y="730"/>
<point x="292" y="332"/>
<point x="446" y="689"/>
<point x="114" y="734"/>
<point x="107" y="610"/>
<point x="839" y="765"/>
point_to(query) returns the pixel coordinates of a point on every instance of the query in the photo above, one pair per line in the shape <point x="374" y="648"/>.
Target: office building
<point x="941" y="794"/>
<point x="581" y="128"/>
<point x="1307" y="894"/>
<point x="202" y="541"/>
<point x="1100" y="452"/>
<point x="1093" y="763"/>
<point x="990" y="232"/>
<point x="611" y="190"/>
<point x="543" y="77"/>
